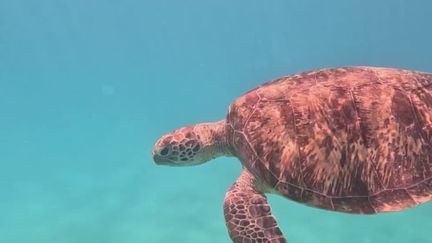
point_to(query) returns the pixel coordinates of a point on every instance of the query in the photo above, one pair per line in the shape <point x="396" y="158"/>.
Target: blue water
<point x="87" y="86"/>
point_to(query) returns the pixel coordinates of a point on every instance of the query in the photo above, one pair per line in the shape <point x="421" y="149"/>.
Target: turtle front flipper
<point x="248" y="215"/>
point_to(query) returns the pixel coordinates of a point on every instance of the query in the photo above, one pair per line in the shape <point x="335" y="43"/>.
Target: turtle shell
<point x="354" y="139"/>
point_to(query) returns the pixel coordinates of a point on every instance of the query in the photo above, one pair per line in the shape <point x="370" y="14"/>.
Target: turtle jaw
<point x="158" y="160"/>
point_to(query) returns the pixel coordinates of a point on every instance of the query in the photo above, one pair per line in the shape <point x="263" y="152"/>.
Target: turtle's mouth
<point x="159" y="160"/>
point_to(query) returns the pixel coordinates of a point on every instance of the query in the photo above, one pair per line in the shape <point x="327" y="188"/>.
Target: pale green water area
<point x="87" y="86"/>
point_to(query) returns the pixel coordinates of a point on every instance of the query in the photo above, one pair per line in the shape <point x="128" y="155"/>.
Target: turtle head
<point x="191" y="145"/>
<point x="178" y="148"/>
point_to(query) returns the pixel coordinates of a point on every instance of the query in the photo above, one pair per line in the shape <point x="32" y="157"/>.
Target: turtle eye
<point x="165" y="151"/>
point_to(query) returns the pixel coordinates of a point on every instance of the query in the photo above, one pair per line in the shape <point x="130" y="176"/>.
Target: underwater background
<point x="87" y="86"/>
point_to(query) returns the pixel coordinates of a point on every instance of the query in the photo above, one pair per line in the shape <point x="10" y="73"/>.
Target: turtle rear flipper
<point x="248" y="215"/>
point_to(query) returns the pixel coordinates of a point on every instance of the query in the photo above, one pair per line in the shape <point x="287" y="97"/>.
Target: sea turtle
<point x="350" y="139"/>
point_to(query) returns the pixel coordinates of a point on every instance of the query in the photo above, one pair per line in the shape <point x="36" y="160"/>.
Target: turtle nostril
<point x="164" y="151"/>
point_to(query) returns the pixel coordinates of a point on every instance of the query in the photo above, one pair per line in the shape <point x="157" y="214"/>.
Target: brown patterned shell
<point x="355" y="139"/>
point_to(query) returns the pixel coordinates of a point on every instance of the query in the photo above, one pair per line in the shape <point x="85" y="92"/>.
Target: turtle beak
<point x="157" y="159"/>
<point x="160" y="160"/>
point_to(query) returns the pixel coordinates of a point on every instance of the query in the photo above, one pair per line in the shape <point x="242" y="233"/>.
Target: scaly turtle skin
<point x="354" y="140"/>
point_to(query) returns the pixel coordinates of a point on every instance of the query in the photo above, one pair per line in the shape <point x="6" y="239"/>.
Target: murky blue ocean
<point x="87" y="86"/>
